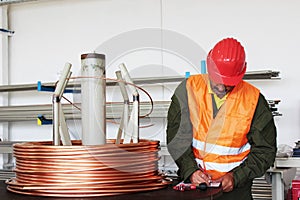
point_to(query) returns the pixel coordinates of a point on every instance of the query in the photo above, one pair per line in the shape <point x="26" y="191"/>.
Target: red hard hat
<point x="226" y="62"/>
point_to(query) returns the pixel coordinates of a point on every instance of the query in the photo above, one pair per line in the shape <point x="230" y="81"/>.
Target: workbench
<point x="165" y="194"/>
<point x="281" y="167"/>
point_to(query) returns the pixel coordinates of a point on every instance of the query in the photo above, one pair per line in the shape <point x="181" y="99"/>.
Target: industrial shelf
<point x="113" y="109"/>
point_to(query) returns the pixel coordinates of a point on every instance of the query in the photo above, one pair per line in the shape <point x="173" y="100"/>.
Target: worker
<point x="220" y="128"/>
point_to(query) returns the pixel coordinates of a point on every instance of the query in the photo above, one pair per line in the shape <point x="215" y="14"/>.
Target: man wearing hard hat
<point x="220" y="128"/>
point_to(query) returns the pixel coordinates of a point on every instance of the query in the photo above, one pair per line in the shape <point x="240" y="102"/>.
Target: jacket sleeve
<point x="179" y="133"/>
<point x="262" y="138"/>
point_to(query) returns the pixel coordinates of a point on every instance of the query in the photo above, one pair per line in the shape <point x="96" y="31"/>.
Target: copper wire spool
<point x="86" y="171"/>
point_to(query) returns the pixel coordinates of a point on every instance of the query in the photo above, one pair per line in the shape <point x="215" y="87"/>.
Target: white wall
<point x="50" y="33"/>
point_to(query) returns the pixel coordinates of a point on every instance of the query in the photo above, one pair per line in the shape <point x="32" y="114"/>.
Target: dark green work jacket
<point x="261" y="137"/>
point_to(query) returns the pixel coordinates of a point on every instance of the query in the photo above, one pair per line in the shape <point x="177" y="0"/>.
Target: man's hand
<point x="227" y="182"/>
<point x="199" y="177"/>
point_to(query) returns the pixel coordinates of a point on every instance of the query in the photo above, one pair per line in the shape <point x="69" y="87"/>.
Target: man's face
<point x="220" y="89"/>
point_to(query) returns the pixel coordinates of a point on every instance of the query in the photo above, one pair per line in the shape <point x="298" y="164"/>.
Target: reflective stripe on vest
<point x="220" y="144"/>
<point x="220" y="167"/>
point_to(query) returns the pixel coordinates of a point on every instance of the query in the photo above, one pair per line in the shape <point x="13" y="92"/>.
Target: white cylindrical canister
<point x="93" y="99"/>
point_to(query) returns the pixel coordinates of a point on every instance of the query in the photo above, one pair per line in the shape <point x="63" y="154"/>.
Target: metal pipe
<point x="133" y="125"/>
<point x="93" y="97"/>
<point x="63" y="128"/>
<point x="124" y="117"/>
<point x="57" y="110"/>
<point x="135" y="117"/>
<point x="59" y="89"/>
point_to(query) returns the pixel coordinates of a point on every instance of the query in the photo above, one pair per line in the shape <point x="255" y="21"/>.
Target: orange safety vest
<point x="220" y="144"/>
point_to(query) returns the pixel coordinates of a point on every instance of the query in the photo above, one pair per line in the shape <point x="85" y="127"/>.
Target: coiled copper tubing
<point x="86" y="171"/>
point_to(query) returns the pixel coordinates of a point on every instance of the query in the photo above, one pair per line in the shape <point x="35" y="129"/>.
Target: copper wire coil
<point x="56" y="177"/>
<point x="86" y="185"/>
<point x="83" y="172"/>
<point x="86" y="180"/>
<point x="102" y="175"/>
<point x="96" y="181"/>
<point x="79" y="171"/>
<point x="100" y="161"/>
<point x="79" y="193"/>
<point x="73" y="168"/>
<point x="77" y="144"/>
<point x="83" y="162"/>
<point x="111" y="149"/>
<point x="98" y="188"/>
<point x="89" y="156"/>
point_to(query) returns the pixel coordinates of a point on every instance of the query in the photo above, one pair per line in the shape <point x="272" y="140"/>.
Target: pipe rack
<point x="113" y="111"/>
<point x="252" y="75"/>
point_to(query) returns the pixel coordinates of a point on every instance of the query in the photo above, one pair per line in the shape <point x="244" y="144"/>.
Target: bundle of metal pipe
<point x="81" y="171"/>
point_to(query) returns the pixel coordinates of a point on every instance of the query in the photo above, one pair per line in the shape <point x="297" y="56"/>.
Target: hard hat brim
<point x="230" y="81"/>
